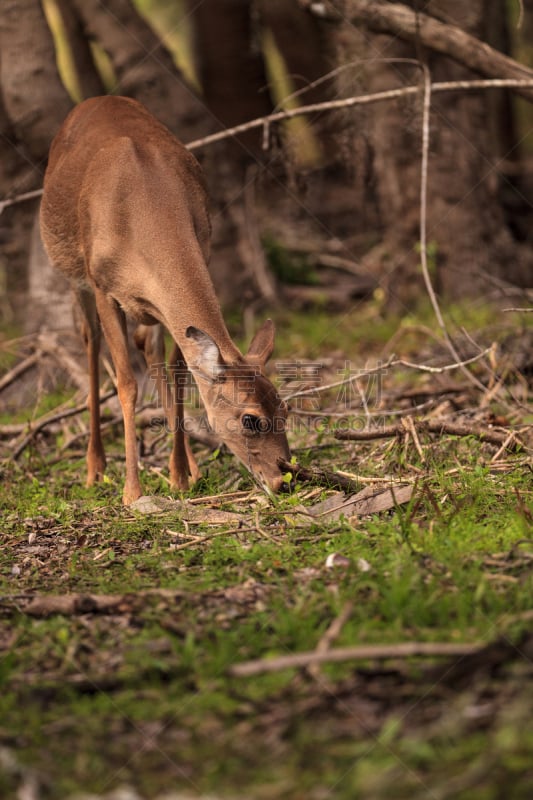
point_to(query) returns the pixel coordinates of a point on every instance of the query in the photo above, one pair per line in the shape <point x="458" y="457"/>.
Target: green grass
<point x="143" y="696"/>
<point x="431" y="579"/>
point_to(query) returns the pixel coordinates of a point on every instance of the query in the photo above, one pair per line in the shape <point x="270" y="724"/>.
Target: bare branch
<point x="397" y="19"/>
<point x="42" y="423"/>
<point x="423" y="228"/>
<point x="330" y="635"/>
<point x="19" y="369"/>
<point x="508" y="439"/>
<point x="369" y="652"/>
<point x="392" y="362"/>
<point x="519" y="85"/>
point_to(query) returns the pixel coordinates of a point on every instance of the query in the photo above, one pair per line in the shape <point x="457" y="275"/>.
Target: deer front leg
<point x="182" y="461"/>
<point x="90" y="329"/>
<point x="114" y="326"/>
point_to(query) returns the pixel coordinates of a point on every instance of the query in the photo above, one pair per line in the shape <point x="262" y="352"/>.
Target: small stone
<point x="337" y="560"/>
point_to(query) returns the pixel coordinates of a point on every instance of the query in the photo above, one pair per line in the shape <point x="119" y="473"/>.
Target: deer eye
<point x="254" y="424"/>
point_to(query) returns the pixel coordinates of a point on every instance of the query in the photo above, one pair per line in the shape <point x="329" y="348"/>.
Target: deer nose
<point x="276" y="482"/>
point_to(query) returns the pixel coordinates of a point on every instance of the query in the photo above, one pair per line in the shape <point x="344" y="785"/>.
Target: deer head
<point x="243" y="406"/>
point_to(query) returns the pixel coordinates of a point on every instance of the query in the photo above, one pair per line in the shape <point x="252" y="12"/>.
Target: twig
<point x="223" y="497"/>
<point x="351" y="410"/>
<point x="194" y="540"/>
<point x="505" y="446"/>
<point x="423" y="228"/>
<point x="447" y="367"/>
<point x="19" y="198"/>
<point x="392" y="362"/>
<point x="520" y="14"/>
<point x="336" y="384"/>
<point x="13" y="429"/>
<point x="357" y="100"/>
<point x="331" y="634"/>
<point x="262" y="666"/>
<point x="409" y="426"/>
<point x="334" y="630"/>
<point x="262" y="532"/>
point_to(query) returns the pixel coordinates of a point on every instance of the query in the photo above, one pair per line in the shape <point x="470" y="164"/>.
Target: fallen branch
<point x="432" y="426"/>
<point x="42" y="423"/>
<point x="72" y="604"/>
<point x="19" y="369"/>
<point x="379" y="652"/>
<point x="320" y="477"/>
<point x="47" y="605"/>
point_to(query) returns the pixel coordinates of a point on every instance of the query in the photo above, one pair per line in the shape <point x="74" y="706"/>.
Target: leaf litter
<point x="87" y="590"/>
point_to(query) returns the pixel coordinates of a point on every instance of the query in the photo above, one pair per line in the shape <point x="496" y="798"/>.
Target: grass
<point x="142" y="695"/>
<point x="426" y="582"/>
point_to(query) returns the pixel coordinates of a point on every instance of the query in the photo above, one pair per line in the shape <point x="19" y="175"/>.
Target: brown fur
<point x="124" y="216"/>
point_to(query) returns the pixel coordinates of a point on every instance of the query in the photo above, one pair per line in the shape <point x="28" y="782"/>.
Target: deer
<point x="124" y="215"/>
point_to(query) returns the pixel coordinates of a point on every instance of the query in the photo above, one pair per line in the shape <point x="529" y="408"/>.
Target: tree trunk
<point x="89" y="79"/>
<point x="308" y="51"/>
<point x="16" y="175"/>
<point x="34" y="106"/>
<point x="467" y="228"/>
<point x="230" y="67"/>
<point x="234" y="86"/>
<point x="143" y="66"/>
<point x="35" y="100"/>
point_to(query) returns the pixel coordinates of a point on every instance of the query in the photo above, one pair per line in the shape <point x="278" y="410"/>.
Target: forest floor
<point x="126" y="633"/>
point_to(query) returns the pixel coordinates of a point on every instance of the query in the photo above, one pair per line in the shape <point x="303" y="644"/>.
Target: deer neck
<point x="196" y="305"/>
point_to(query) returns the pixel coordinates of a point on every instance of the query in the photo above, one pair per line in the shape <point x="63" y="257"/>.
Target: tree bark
<point x="89" y="80"/>
<point x="467" y="227"/>
<point x="234" y="86"/>
<point x="308" y="51"/>
<point x="231" y="68"/>
<point x="16" y="174"/>
<point x="33" y="108"/>
<point x="397" y="19"/>
<point x="35" y="100"/>
<point x="143" y="66"/>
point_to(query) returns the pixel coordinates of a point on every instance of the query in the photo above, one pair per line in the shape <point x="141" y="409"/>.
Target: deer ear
<point x="207" y="358"/>
<point x="262" y="344"/>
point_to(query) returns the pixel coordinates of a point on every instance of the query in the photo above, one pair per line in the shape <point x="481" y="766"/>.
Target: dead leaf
<point x="206" y="515"/>
<point x="370" y="500"/>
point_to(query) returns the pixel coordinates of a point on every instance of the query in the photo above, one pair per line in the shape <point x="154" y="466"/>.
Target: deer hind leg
<point x="170" y="392"/>
<point x="91" y="332"/>
<point x="181" y="443"/>
<point x="114" y="326"/>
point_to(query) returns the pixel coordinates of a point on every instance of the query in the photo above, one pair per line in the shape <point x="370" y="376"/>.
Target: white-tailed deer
<point x="124" y="216"/>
